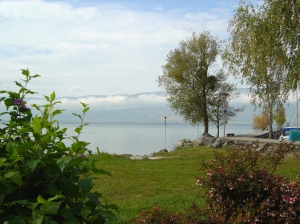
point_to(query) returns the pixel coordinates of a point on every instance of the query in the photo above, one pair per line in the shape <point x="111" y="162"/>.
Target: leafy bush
<point x="41" y="179"/>
<point x="243" y="188"/>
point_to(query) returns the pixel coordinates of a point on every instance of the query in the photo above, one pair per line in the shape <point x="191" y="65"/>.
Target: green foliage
<point x="224" y="92"/>
<point x="261" y="122"/>
<point x="186" y="77"/>
<point x="283" y="16"/>
<point x="279" y="116"/>
<point x="41" y="179"/>
<point x="257" y="52"/>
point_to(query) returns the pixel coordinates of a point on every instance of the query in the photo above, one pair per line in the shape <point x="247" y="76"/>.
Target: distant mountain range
<point x="141" y="108"/>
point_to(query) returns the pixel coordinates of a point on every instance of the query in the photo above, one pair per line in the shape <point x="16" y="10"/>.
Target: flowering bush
<point x="243" y="188"/>
<point x="41" y="179"/>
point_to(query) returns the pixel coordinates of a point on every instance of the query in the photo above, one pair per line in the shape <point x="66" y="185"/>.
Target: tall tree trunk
<point x="205" y="115"/>
<point x="218" y="131"/>
<point x="270" y="125"/>
<point x="270" y="115"/>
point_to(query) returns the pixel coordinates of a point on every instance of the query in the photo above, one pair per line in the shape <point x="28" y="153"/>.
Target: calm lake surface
<point x="138" y="139"/>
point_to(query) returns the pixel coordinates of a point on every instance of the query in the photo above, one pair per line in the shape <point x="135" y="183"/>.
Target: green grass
<point x="136" y="185"/>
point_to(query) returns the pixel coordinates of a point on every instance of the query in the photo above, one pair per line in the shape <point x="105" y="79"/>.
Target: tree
<point x="284" y="17"/>
<point x="186" y="77"/>
<point x="279" y="117"/>
<point x="261" y="122"/>
<point x="257" y="53"/>
<point x="224" y="92"/>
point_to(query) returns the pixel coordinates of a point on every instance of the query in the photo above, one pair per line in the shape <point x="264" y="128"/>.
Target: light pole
<point x="165" y="132"/>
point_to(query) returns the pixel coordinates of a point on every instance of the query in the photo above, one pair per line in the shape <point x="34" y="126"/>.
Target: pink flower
<point x="230" y="186"/>
<point x="199" y="182"/>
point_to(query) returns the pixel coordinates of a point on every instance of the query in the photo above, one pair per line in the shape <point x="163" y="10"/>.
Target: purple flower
<point x="82" y="155"/>
<point x="26" y="108"/>
<point x="18" y="101"/>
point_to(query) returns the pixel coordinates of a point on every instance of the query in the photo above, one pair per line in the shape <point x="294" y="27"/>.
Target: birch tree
<point x="256" y="52"/>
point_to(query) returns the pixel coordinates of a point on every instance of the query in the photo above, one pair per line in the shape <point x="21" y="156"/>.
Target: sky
<point x="99" y="47"/>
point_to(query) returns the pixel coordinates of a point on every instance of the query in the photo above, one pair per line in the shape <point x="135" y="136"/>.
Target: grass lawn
<point x="136" y="185"/>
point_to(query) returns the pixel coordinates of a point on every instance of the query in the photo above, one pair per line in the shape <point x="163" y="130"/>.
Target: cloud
<point x="108" y="102"/>
<point x="74" y="88"/>
<point x="103" y="48"/>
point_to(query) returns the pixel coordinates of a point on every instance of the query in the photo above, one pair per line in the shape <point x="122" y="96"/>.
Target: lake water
<point x="144" y="139"/>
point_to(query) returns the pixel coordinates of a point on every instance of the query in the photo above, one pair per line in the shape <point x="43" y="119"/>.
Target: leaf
<point x="50" y="208"/>
<point x="15" y="177"/>
<point x="52" y="189"/>
<point x="85" y="212"/>
<point x="98" y="151"/>
<point x="56" y="197"/>
<point x="52" y="96"/>
<point x="36" y="76"/>
<point x="32" y="206"/>
<point x="32" y="164"/>
<point x="21" y="202"/>
<point x="63" y="130"/>
<point x="76" y="162"/>
<point x="35" y="106"/>
<point x="25" y="72"/>
<point x="68" y="214"/>
<point x="47" y="98"/>
<point x="93" y="218"/>
<point x="85" y="109"/>
<point x="79" y="145"/>
<point x="14" y="155"/>
<point x="85" y="185"/>
<point x="56" y="112"/>
<point x="37" y="125"/>
<point x="18" y="84"/>
<point x="61" y="145"/>
<point x="22" y="90"/>
<point x="2" y="160"/>
<point x="63" y="162"/>
<point x="8" y="102"/>
<point x="56" y="102"/>
<point x="37" y="218"/>
<point x="41" y="200"/>
<point x="77" y="115"/>
<point x="78" y="129"/>
<point x="83" y="104"/>
<point x="94" y="199"/>
<point x="110" y="216"/>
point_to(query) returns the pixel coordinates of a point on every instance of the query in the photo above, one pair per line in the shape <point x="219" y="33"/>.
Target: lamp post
<point x="165" y="132"/>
